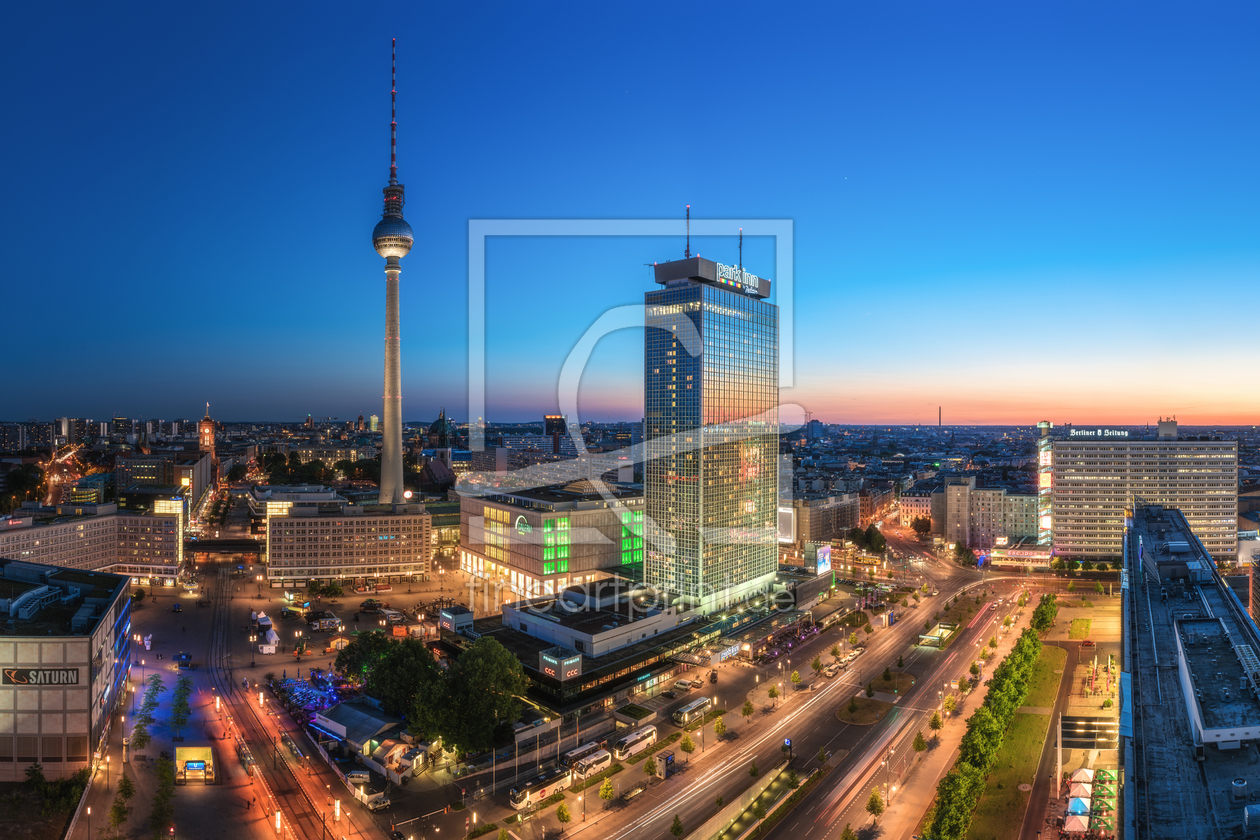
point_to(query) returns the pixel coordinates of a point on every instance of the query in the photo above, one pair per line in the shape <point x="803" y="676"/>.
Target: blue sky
<point x="1018" y="211"/>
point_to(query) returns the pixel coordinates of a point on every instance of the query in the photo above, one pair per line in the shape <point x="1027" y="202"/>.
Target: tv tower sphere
<point x="392" y="237"/>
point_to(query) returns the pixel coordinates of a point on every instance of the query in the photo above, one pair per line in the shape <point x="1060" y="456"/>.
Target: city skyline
<point x="1034" y="217"/>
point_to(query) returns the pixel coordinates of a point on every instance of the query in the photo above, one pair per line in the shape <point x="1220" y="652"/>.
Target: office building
<point x="12" y="437"/>
<point x="147" y="546"/>
<point x="711" y="386"/>
<point x="65" y="659"/>
<point x="1188" y="711"/>
<point x="358" y="545"/>
<point x="913" y="505"/>
<point x="193" y="470"/>
<point x="983" y="517"/>
<point x="1096" y="472"/>
<point x="538" y="541"/>
<point x="818" y="518"/>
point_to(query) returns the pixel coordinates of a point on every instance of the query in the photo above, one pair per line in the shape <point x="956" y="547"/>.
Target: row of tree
<point x="959" y="792"/>
<point x="469" y="705"/>
<point x="870" y="539"/>
<point x="1043" y="616"/>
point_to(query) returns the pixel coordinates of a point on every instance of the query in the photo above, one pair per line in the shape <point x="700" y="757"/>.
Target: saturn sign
<point x="39" y="676"/>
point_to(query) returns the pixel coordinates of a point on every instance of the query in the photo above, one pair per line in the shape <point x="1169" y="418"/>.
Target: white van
<point x="358" y="777"/>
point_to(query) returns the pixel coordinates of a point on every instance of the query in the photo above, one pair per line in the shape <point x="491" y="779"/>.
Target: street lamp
<point x="106" y="772"/>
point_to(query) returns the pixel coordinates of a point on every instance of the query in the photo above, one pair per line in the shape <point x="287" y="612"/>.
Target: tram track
<point x="279" y="788"/>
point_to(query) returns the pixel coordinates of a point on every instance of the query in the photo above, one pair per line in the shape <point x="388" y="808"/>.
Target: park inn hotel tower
<point x="711" y="395"/>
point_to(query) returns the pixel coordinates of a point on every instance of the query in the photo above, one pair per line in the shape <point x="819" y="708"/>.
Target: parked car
<point x="713" y="676"/>
<point x="669" y="695"/>
<point x="378" y="804"/>
<point x="1087" y="643"/>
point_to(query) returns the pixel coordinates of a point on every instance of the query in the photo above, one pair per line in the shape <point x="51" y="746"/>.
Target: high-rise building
<point x="711" y="380"/>
<point x="12" y="437"/>
<point x="1096" y="472"/>
<point x="392" y="239"/>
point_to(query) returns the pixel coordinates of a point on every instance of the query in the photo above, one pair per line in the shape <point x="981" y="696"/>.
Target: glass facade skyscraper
<point x="711" y="389"/>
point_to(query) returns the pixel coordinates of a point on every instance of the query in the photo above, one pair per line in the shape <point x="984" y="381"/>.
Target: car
<point x="358" y="777"/>
<point x="669" y="695"/>
<point x="378" y="804"/>
<point x="1087" y="643"/>
<point x="397" y="835"/>
<point x="713" y="676"/>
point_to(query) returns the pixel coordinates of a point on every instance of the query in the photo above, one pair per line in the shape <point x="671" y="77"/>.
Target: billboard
<point x="824" y="560"/>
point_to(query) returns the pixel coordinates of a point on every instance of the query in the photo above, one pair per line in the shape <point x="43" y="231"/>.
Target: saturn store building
<point x="62" y="667"/>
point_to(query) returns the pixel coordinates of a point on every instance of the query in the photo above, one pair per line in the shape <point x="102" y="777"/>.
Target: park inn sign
<point x="39" y="676"/>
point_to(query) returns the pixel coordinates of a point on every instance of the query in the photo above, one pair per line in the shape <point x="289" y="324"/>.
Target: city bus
<point x="538" y="789"/>
<point x="692" y="711"/>
<point x="634" y="743"/>
<point x="592" y="764"/>
<point x="572" y="757"/>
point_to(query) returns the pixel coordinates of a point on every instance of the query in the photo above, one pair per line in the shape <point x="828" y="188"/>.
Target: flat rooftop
<point x="1217" y="675"/>
<point x="566" y="496"/>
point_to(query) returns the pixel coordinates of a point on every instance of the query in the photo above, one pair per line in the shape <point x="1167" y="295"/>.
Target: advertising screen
<point x="824" y="559"/>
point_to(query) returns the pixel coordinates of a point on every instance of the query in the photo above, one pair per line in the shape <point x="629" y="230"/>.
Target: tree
<point x="563" y="815"/>
<point x="796" y="679"/>
<point x="822" y="755"/>
<point x="950" y="703"/>
<point x="1102" y="566"/>
<point x="793" y="780"/>
<point x="974" y="669"/>
<point x="936" y="724"/>
<point x="853" y="706"/>
<point x="606" y="791"/>
<point x="753" y="771"/>
<point x="719" y="801"/>
<point x="773" y="691"/>
<point x="503" y="834"/>
<point x="747" y="710"/>
<point x="848" y="833"/>
<point x="870" y="689"/>
<point x="868" y="628"/>
<point x="853" y="639"/>
<point x="676" y="828"/>
<point x="236" y="474"/>
<point x="180" y="710"/>
<point x="1098" y="587"/>
<point x="137" y="597"/>
<point x="920" y="743"/>
<point x="874" y="539"/>
<point x="687" y="745"/>
<point x="35" y="778"/>
<point x="993" y="642"/>
<point x="835" y="652"/>
<point x="1006" y="622"/>
<point x="816" y="664"/>
<point x="875" y="804"/>
<point x="887" y="674"/>
<point x="465" y="704"/>
<point x="126" y="788"/>
<point x="921" y="525"/>
<point x="965" y="686"/>
<point x="759" y="810"/>
<point x="1071" y="587"/>
<point x="1087" y="565"/>
<point x="901" y="662"/>
<point x="719" y="728"/>
<point x="649" y="766"/>
<point x="858" y="537"/>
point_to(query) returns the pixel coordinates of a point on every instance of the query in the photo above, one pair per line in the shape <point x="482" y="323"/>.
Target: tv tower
<point x="392" y="239"/>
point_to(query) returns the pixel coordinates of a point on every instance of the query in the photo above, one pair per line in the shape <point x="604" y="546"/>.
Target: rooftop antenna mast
<point x="741" y="251"/>
<point x="687" y="252"/>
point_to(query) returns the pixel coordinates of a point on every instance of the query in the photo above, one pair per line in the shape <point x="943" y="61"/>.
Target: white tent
<point x="271" y="637"/>
<point x="1075" y="822"/>
<point x="1078" y="806"/>
<point x="1082" y="790"/>
<point x="1083" y="774"/>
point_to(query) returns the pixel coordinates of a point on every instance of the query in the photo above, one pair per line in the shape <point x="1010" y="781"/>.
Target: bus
<point x="574" y="756"/>
<point x="692" y="711"/>
<point x="592" y="764"/>
<point x="634" y="743"/>
<point x="542" y="786"/>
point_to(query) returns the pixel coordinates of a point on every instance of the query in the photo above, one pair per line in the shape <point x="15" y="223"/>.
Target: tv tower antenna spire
<point x="741" y="251"/>
<point x="393" y="111"/>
